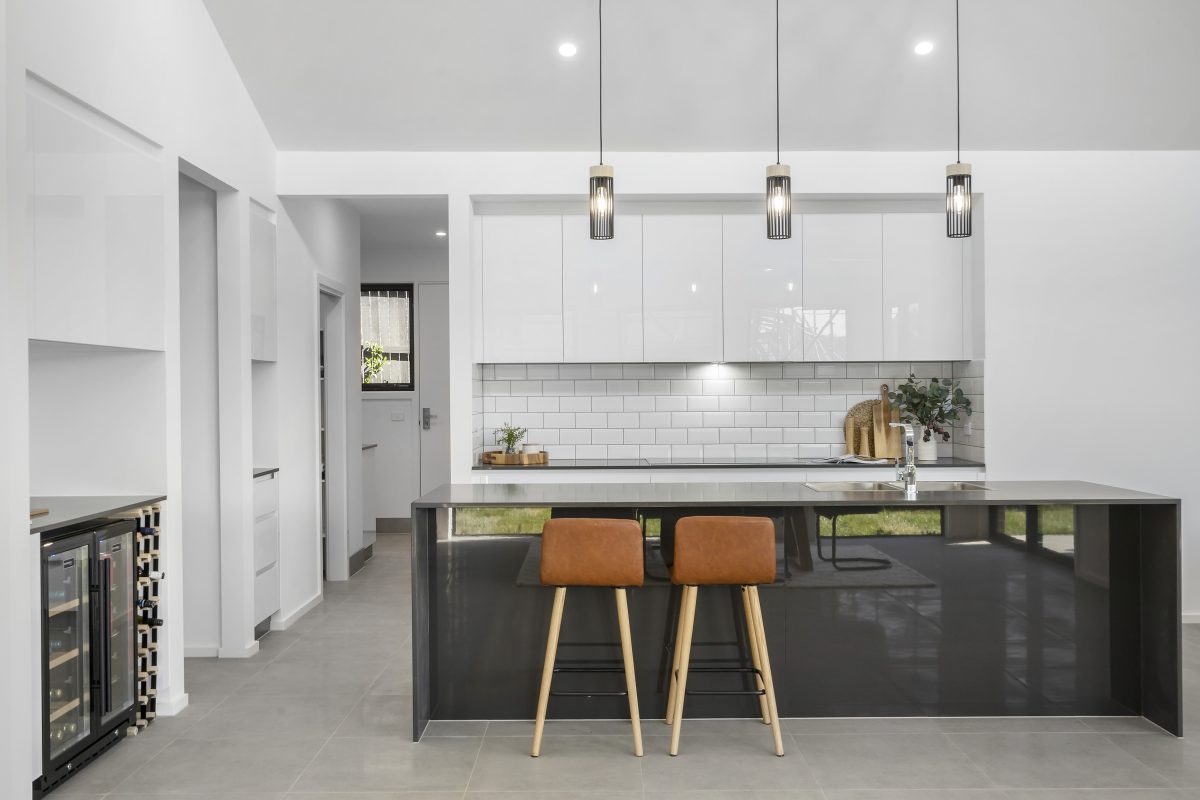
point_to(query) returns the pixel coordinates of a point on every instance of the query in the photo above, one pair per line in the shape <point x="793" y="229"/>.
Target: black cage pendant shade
<point x="779" y="176"/>
<point x="958" y="174"/>
<point x="600" y="177"/>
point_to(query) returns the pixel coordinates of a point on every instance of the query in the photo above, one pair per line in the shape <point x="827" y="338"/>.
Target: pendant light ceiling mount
<point x="600" y="177"/>
<point x="779" y="176"/>
<point x="958" y="174"/>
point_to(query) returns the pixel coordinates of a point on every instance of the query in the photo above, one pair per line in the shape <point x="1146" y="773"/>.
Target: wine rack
<point x="149" y="580"/>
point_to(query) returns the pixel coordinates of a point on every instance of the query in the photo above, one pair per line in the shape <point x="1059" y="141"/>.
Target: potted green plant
<point x="932" y="406"/>
<point x="373" y="360"/>
<point x="510" y="436"/>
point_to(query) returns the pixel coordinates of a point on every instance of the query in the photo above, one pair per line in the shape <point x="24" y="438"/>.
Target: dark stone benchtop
<point x="261" y="471"/>
<point x="68" y="510"/>
<point x="700" y="495"/>
<point x="716" y="463"/>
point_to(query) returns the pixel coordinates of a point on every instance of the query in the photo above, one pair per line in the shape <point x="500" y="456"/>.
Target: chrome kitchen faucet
<point x="907" y="471"/>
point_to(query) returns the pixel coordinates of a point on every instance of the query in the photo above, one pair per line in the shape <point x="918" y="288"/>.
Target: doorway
<point x="331" y="379"/>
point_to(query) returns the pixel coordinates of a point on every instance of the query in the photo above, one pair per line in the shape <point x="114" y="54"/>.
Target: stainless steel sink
<point x="895" y="486"/>
<point x="855" y="486"/>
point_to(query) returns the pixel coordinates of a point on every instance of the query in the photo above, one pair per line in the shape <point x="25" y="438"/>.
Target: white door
<point x="681" y="287"/>
<point x="763" y="277"/>
<point x="843" y="287"/>
<point x="433" y="383"/>
<point x="922" y="289"/>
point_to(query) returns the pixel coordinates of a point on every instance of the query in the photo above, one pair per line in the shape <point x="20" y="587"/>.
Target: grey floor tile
<point x="725" y="762"/>
<point x="380" y="715"/>
<point x="219" y="676"/>
<point x="1011" y="725"/>
<point x="554" y="795"/>
<point x="1122" y="725"/>
<point x="1175" y="759"/>
<point x="735" y="794"/>
<point x="1055" y="760"/>
<point x="886" y="761"/>
<point x="314" y="677"/>
<point x="570" y="763"/>
<point x="861" y="725"/>
<point x="132" y="795"/>
<point x="1094" y="794"/>
<point x="574" y="727"/>
<point x="269" y="716"/>
<point x="453" y="727"/>
<point x="396" y="678"/>
<point x="399" y="795"/>
<point x="915" y="794"/>
<point x="113" y="768"/>
<point x="386" y="764"/>
<point x="224" y="766"/>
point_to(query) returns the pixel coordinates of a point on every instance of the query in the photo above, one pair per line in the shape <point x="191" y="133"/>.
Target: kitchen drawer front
<point x="266" y="593"/>
<point x="266" y="542"/>
<point x="266" y="496"/>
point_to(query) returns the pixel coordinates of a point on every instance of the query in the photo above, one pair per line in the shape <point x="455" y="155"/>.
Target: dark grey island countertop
<point x="69" y="510"/>
<point x="718" y="463"/>
<point x="775" y="494"/>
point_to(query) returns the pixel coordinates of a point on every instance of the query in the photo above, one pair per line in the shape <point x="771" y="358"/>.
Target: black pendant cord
<point x="600" y="55"/>
<point x="957" y="87"/>
<point x="777" y="80"/>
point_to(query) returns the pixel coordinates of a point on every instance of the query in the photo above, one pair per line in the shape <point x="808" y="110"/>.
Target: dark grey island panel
<point x="986" y="620"/>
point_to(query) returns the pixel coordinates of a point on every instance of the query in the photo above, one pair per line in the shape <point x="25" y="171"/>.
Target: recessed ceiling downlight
<point x="567" y="49"/>
<point x="439" y="233"/>
<point x="923" y="48"/>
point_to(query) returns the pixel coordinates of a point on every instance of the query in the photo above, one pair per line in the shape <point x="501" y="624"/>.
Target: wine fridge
<point x="88" y="644"/>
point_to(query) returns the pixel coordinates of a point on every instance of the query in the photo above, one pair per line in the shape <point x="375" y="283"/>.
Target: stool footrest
<point x="589" y="669"/>
<point x="754" y="692"/>
<point x="588" y="694"/>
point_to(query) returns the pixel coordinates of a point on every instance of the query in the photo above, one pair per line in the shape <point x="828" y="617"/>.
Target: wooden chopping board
<point x="887" y="439"/>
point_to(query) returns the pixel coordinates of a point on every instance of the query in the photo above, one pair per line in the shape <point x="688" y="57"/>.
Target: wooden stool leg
<point x="560" y="598"/>
<point x="630" y="677"/>
<point x="769" y="686"/>
<point x="685" y="652"/>
<point x="755" y="655"/>
<point x="671" y="693"/>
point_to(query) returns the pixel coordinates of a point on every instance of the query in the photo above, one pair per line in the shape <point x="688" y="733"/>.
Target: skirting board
<point x="279" y="623"/>
<point x="1191" y="618"/>
<point x="249" y="651"/>
<point x="170" y="706"/>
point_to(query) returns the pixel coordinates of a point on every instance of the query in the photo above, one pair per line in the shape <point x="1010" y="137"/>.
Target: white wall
<point x="159" y="69"/>
<point x="317" y="236"/>
<point x="404" y="264"/>
<point x="200" y="504"/>
<point x="1089" y="261"/>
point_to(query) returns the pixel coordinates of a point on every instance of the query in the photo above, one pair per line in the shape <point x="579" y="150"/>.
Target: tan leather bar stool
<point x="590" y="552"/>
<point x="723" y="551"/>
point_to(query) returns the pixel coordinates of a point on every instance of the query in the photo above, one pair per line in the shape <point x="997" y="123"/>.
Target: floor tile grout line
<point x="475" y="763"/>
<point x="979" y="767"/>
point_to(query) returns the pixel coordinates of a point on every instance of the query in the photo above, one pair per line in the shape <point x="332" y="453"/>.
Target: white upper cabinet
<point x="843" y="287"/>
<point x="602" y="291"/>
<point x="97" y="220"/>
<point x="522" y="289"/>
<point x="764" y="289"/>
<point x="681" y="287"/>
<point x="922" y="289"/>
<point x="263" y="331"/>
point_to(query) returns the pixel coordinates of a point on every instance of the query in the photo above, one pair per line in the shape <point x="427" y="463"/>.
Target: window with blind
<point x="387" y="336"/>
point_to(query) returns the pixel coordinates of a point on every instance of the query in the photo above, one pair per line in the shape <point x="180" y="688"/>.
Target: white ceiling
<point x="409" y="222"/>
<point x="696" y="75"/>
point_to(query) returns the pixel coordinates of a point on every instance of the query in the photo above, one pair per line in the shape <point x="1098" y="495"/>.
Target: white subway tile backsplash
<point x="789" y="410"/>
<point x="542" y="403"/>
<point x="670" y="403"/>
<point x="580" y="436"/>
<point x="574" y="404"/>
<point x="639" y="402"/>
<point x="604" y="435"/>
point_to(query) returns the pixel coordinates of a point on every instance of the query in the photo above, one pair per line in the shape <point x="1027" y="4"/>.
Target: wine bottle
<point x="154" y="575"/>
<point x="57" y="693"/>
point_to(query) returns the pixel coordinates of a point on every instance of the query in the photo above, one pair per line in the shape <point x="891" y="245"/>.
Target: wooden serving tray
<point x="515" y="459"/>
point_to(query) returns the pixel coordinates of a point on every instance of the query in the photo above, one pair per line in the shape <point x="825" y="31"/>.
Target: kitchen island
<point x="985" y="619"/>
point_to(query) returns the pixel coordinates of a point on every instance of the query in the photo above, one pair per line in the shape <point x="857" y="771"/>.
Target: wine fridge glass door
<point x="68" y="647"/>
<point x="116" y="552"/>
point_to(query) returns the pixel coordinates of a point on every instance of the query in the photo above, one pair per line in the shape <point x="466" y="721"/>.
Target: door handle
<point x="426" y="417"/>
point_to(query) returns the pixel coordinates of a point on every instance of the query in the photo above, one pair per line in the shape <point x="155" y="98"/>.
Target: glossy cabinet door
<point x="263" y="332"/>
<point x="602" y="291"/>
<point x="922" y="289"/>
<point x="522" y="288"/>
<point x="97" y="216"/>
<point x="764" y="289"/>
<point x="843" y="287"/>
<point x="681" y="287"/>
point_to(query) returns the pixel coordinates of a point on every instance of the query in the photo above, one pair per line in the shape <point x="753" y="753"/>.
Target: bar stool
<point x="723" y="551"/>
<point x="590" y="552"/>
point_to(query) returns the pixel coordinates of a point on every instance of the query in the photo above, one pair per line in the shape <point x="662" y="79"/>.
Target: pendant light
<point x="779" y="176"/>
<point x="600" y="177"/>
<point x="958" y="174"/>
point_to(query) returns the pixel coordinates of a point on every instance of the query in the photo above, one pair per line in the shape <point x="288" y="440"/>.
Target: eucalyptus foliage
<point x="931" y="405"/>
